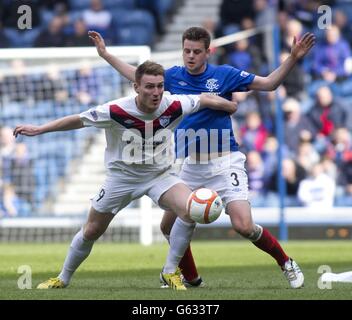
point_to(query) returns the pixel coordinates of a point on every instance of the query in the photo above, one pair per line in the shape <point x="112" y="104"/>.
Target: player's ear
<point x="136" y="87"/>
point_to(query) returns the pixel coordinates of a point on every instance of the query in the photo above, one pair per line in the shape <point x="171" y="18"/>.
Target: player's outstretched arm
<point x="298" y="50"/>
<point x="62" y="124"/>
<point x="217" y="103"/>
<point x="127" y="70"/>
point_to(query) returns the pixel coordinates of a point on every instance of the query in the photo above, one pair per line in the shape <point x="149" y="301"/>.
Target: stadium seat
<point x="20" y="39"/>
<point x="122" y="4"/>
<point x="136" y="27"/>
<point x="79" y="4"/>
<point x="346" y="88"/>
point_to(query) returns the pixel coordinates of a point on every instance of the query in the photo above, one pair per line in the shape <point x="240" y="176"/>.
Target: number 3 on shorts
<point x="235" y="182"/>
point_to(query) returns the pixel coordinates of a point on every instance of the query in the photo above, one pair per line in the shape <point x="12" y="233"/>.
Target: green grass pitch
<point x="233" y="270"/>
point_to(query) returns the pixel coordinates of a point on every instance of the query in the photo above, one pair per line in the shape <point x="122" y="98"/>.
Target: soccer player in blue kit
<point x="220" y="167"/>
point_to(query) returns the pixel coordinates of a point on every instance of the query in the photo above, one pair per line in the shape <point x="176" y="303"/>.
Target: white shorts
<point x="226" y="175"/>
<point x="121" y="187"/>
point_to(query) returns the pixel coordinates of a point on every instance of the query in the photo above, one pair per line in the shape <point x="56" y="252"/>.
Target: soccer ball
<point x="204" y="205"/>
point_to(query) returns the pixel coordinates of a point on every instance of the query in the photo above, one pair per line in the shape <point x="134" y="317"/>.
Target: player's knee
<point x="253" y="233"/>
<point x="167" y="222"/>
<point x="247" y="230"/>
<point x="165" y="228"/>
<point x="92" y="231"/>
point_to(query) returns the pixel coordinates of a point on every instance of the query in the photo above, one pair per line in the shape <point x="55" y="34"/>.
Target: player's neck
<point x="142" y="108"/>
<point x="198" y="71"/>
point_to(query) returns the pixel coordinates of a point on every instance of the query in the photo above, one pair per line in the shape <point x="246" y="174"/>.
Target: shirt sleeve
<point x="190" y="103"/>
<point x="238" y="80"/>
<point x="98" y="117"/>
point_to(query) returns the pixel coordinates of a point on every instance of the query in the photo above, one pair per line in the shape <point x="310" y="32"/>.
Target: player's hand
<point x="98" y="42"/>
<point x="26" y="130"/>
<point x="301" y="47"/>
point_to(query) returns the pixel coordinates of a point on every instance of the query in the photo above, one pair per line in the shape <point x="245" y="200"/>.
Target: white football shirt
<point x="137" y="138"/>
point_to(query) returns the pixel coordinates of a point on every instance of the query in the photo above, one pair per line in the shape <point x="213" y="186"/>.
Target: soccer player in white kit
<point x="138" y="158"/>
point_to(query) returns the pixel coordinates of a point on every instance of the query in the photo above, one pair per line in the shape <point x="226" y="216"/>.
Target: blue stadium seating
<point x="79" y="4"/>
<point x="122" y="4"/>
<point x="135" y="27"/>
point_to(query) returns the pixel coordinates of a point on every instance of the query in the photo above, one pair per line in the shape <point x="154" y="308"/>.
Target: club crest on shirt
<point x="94" y="115"/>
<point x="164" y="121"/>
<point x="212" y="84"/>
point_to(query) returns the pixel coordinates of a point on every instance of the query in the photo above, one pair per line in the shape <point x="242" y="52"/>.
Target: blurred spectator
<point x="294" y="82"/>
<point x="159" y="10"/>
<point x="10" y="204"/>
<point x="58" y="6"/>
<point x="49" y="84"/>
<point x="307" y="156"/>
<point x="85" y="88"/>
<point x="15" y="174"/>
<point x="329" y="167"/>
<point x="267" y="106"/>
<point x="53" y="36"/>
<point x="247" y="102"/>
<point x="232" y="12"/>
<point x="341" y="21"/>
<point x="253" y="133"/>
<point x="327" y="114"/>
<point x="5" y="41"/>
<point x="264" y="16"/>
<point x="216" y="54"/>
<point x="18" y="172"/>
<point x="318" y="190"/>
<point x="330" y="56"/>
<point x="297" y="126"/>
<point x="269" y="155"/>
<point x="306" y="11"/>
<point x="292" y="28"/>
<point x="79" y="38"/>
<point x="264" y="13"/>
<point x="17" y="86"/>
<point x="293" y="174"/>
<point x="245" y="57"/>
<point x="7" y="142"/>
<point x="256" y="178"/>
<point x="340" y="152"/>
<point x="97" y="18"/>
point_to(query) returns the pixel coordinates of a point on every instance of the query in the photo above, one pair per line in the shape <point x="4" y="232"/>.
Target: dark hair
<point x="148" y="67"/>
<point x="197" y="34"/>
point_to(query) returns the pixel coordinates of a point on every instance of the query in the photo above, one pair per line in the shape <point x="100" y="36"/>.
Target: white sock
<point x="180" y="237"/>
<point x="79" y="250"/>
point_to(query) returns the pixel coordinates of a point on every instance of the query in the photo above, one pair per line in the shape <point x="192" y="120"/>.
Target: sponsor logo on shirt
<point x="212" y="84"/>
<point x="244" y="74"/>
<point x="94" y="115"/>
<point x="182" y="83"/>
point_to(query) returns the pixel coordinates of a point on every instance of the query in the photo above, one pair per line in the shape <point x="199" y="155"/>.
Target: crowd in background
<point x="64" y="23"/>
<point x="316" y="96"/>
<point x="316" y="100"/>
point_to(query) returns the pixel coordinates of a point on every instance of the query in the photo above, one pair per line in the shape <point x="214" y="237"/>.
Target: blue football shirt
<point x="214" y="127"/>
